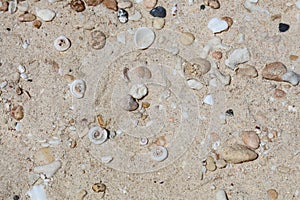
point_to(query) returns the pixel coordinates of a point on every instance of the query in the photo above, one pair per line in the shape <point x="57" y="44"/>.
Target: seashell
<point x="97" y="39"/>
<point x="49" y="170"/>
<point x="229" y="21"/>
<point x="37" y="24"/>
<point x="143" y="141"/>
<point x="196" y="67"/>
<point x="17" y="112"/>
<point x="123" y="16"/>
<point x="12" y="6"/>
<point x="142" y="72"/>
<point x="99" y="187"/>
<point x="159" y="153"/>
<point x="274" y="71"/>
<point x="158" y="23"/>
<point x="77" y="5"/>
<point x="186" y="38"/>
<point x="238" y="56"/>
<point x="21" y="69"/>
<point x="26" y="17"/>
<point x="217" y="25"/>
<point x="143" y="37"/>
<point x="158" y="11"/>
<point x="98" y="135"/>
<point x="62" y="43"/>
<point x="128" y="103"/>
<point x="106" y="159"/>
<point x="77" y="88"/>
<point x="150" y="3"/>
<point x="23" y="6"/>
<point x="138" y="91"/>
<point x="37" y="192"/>
<point x="210" y="164"/>
<point x="194" y="84"/>
<point x="46" y="15"/>
<point x="291" y="77"/>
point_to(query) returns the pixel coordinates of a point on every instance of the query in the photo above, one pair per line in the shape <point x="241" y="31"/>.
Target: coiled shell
<point x="77" y="88"/>
<point x="62" y="43"/>
<point x="97" y="135"/>
<point x="159" y="153"/>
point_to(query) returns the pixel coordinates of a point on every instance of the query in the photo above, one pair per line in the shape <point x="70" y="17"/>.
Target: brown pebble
<point x="293" y="57"/>
<point x="215" y="4"/>
<point x="145" y="104"/>
<point x="26" y="17"/>
<point x="247" y="71"/>
<point x="237" y="154"/>
<point x="73" y="144"/>
<point x="4" y="6"/>
<point x="186" y="38"/>
<point x="128" y="103"/>
<point x="273" y="194"/>
<point x="210" y="164"/>
<point x="17" y="112"/>
<point x="217" y="55"/>
<point x="99" y="187"/>
<point x="77" y="5"/>
<point x="150" y="3"/>
<point x="274" y="71"/>
<point x="274" y="17"/>
<point x="70" y="78"/>
<point x="250" y="139"/>
<point x="97" y="39"/>
<point x="101" y="121"/>
<point x="93" y="2"/>
<point x="221" y="163"/>
<point x="111" y="4"/>
<point x="19" y="91"/>
<point x="142" y="72"/>
<point x="278" y="93"/>
<point x="37" y="24"/>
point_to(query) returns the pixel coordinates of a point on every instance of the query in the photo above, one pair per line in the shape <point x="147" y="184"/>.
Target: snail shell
<point x="97" y="135"/>
<point x="77" y="88"/>
<point x="62" y="43"/>
<point x="159" y="153"/>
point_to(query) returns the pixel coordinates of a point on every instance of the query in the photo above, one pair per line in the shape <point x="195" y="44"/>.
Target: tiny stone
<point x="27" y="17"/>
<point x="3" y="5"/>
<point x="97" y="39"/>
<point x="247" y="71"/>
<point x="221" y="164"/>
<point x="186" y="38"/>
<point x="128" y="103"/>
<point x="138" y="91"/>
<point x="217" y="55"/>
<point x="283" y="27"/>
<point x="293" y="57"/>
<point x="209" y="100"/>
<point x="46" y="15"/>
<point x="194" y="84"/>
<point x="37" y="24"/>
<point x="124" y="4"/>
<point x="111" y="4"/>
<point x="81" y="194"/>
<point x="99" y="187"/>
<point x="210" y="164"/>
<point x="135" y="17"/>
<point x="215" y="4"/>
<point x="17" y="112"/>
<point x="158" y="23"/>
<point x="217" y="25"/>
<point x="158" y="11"/>
<point x="250" y="139"/>
<point x="237" y="154"/>
<point x="93" y="2"/>
<point x="202" y="7"/>
<point x="123" y="16"/>
<point x="16" y="197"/>
<point x="150" y="3"/>
<point x="274" y="71"/>
<point x="77" y="5"/>
<point x="278" y="93"/>
<point x="273" y="194"/>
<point x="221" y="195"/>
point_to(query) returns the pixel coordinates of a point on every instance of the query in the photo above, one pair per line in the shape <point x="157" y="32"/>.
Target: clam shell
<point x="97" y="135"/>
<point x="159" y="153"/>
<point x="143" y="38"/>
<point x="77" y="88"/>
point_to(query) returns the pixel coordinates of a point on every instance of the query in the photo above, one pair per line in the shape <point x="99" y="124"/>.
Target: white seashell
<point x="49" y="170"/>
<point x="37" y="192"/>
<point x="46" y="15"/>
<point x="3" y="84"/>
<point x="135" y="17"/>
<point x="251" y="6"/>
<point x="97" y="135"/>
<point x="24" y="76"/>
<point x="77" y="88"/>
<point x="194" y="84"/>
<point x="62" y="43"/>
<point x="209" y="100"/>
<point x="143" y="37"/>
<point x="138" y="91"/>
<point x="217" y="25"/>
<point x="291" y="77"/>
<point x="221" y="195"/>
<point x="106" y="159"/>
<point x="143" y="141"/>
<point x="21" y="69"/>
<point x="121" y="37"/>
<point x="238" y="56"/>
<point x="159" y="153"/>
<point x="12" y="6"/>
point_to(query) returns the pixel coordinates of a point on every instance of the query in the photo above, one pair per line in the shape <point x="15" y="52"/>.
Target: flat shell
<point x="143" y="38"/>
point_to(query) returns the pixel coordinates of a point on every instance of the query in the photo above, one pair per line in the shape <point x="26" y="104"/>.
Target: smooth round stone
<point x="138" y="91"/>
<point x="45" y="14"/>
<point x="124" y="4"/>
<point x="158" y="23"/>
<point x="194" y="84"/>
<point x="128" y="103"/>
<point x="283" y="27"/>
<point x="274" y="71"/>
<point x="247" y="71"/>
<point x="142" y="72"/>
<point x="186" y="38"/>
<point x="217" y="25"/>
<point x="158" y="11"/>
<point x="250" y="139"/>
<point x="150" y="3"/>
<point x="237" y="154"/>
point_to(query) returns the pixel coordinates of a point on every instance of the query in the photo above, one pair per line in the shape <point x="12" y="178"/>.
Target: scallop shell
<point x="143" y="37"/>
<point x="159" y="153"/>
<point x="97" y="135"/>
<point x="62" y="43"/>
<point x="77" y="88"/>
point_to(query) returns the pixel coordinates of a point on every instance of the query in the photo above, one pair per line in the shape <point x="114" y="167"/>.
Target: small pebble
<point x="298" y="4"/>
<point x="274" y="71"/>
<point x="93" y="2"/>
<point x="194" y="84"/>
<point x="143" y="37"/>
<point x="12" y="6"/>
<point x="158" y="11"/>
<point x="217" y="55"/>
<point x="278" y="93"/>
<point x="217" y="25"/>
<point x="142" y="72"/>
<point x="111" y="4"/>
<point x="138" y="91"/>
<point x="210" y="164"/>
<point x="124" y="4"/>
<point x="3" y="6"/>
<point x="221" y="195"/>
<point x="221" y="163"/>
<point x="26" y="17"/>
<point x="17" y="112"/>
<point x="250" y="139"/>
<point x="247" y="71"/>
<point x="128" y="103"/>
<point x="273" y="194"/>
<point x="123" y="16"/>
<point x="37" y="24"/>
<point x="294" y="57"/>
<point x="97" y="39"/>
<point x="46" y="15"/>
<point x="237" y="154"/>
<point x="16" y="197"/>
<point x="291" y="77"/>
<point x="158" y="23"/>
<point x="283" y="27"/>
<point x="215" y="4"/>
<point x="238" y="56"/>
<point x="202" y="7"/>
<point x="135" y="17"/>
<point x="229" y="113"/>
<point x="77" y="5"/>
<point x="150" y="3"/>
<point x="186" y="38"/>
<point x="208" y="100"/>
<point x="99" y="187"/>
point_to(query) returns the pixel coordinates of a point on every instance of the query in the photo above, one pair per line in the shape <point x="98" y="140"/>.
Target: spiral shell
<point x="62" y="43"/>
<point x="77" y="88"/>
<point x="159" y="153"/>
<point x="97" y="135"/>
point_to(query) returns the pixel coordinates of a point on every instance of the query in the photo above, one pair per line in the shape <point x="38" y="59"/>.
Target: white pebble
<point x="46" y="15"/>
<point x="291" y="77"/>
<point x="138" y="91"/>
<point x="12" y="6"/>
<point x="121" y="37"/>
<point x="143" y="37"/>
<point x="209" y="100"/>
<point x="3" y="84"/>
<point x="217" y="25"/>
<point x="106" y="159"/>
<point x="21" y="69"/>
<point x="24" y="76"/>
<point x="194" y="84"/>
<point x="221" y="195"/>
<point x="238" y="56"/>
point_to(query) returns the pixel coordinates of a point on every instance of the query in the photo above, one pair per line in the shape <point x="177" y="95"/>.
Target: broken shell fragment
<point x="77" y="5"/>
<point x="97" y="39"/>
<point x="143" y="38"/>
<point x="49" y="170"/>
<point x="62" y="43"/>
<point x="138" y="91"/>
<point x="274" y="71"/>
<point x="128" y="103"/>
<point x="159" y="153"/>
<point x="77" y="88"/>
<point x="217" y="25"/>
<point x="97" y="135"/>
<point x="238" y="56"/>
<point x="99" y="187"/>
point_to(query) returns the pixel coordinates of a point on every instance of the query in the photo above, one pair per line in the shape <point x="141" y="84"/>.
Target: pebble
<point x="143" y="37"/>
<point x="17" y="112"/>
<point x="106" y="159"/>
<point x="150" y="3"/>
<point x="135" y="17"/>
<point x="194" y="84"/>
<point x="122" y="16"/>
<point x="138" y="91"/>
<point x="186" y="38"/>
<point x="274" y="71"/>
<point x="99" y="187"/>
<point x="46" y="15"/>
<point x="210" y="164"/>
<point x="278" y="93"/>
<point x="81" y="194"/>
<point x="291" y="77"/>
<point x="3" y="6"/>
<point x="221" y="163"/>
<point x="196" y="67"/>
<point x="111" y="4"/>
<point x="283" y="27"/>
<point x="37" y="24"/>
<point x="37" y="192"/>
<point x="142" y="72"/>
<point x="12" y="6"/>
<point x="23" y="6"/>
<point x="158" y="23"/>
<point x="247" y="71"/>
<point x="128" y="103"/>
<point x="237" y="154"/>
<point x="217" y="25"/>
<point x="221" y="195"/>
<point x="49" y="170"/>
<point x="238" y="56"/>
<point x="215" y="4"/>
<point x="298" y="4"/>
<point x="250" y="139"/>
<point x="26" y="17"/>
<point x="124" y="4"/>
<point x="208" y="100"/>
<point x="217" y="55"/>
<point x="158" y="11"/>
<point x="77" y="5"/>
<point x="93" y="2"/>
<point x="293" y="57"/>
<point x="62" y="43"/>
<point x="273" y="194"/>
<point x="97" y="39"/>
